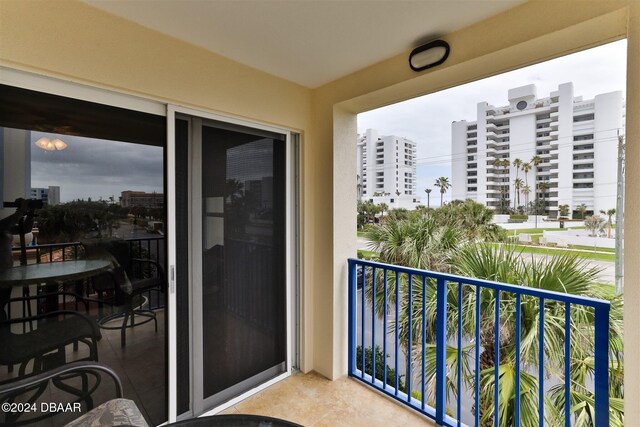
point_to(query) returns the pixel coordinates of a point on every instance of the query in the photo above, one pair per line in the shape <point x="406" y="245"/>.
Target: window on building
<point x="584" y="117"/>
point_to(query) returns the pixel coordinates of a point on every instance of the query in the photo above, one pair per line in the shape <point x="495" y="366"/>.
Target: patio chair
<point x="123" y="287"/>
<point x="44" y="346"/>
<point x="115" y="412"/>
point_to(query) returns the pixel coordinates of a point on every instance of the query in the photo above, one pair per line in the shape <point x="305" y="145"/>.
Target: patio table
<point x="52" y="272"/>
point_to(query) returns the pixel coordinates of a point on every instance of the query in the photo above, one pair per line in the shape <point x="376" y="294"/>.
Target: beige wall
<point x="86" y="45"/>
<point x="70" y="39"/>
<point x="534" y="32"/>
<point x="73" y="41"/>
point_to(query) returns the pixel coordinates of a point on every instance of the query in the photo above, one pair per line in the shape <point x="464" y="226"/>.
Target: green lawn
<point x="539" y="230"/>
<point x="364" y="254"/>
<point x="591" y="248"/>
<point x="582" y="253"/>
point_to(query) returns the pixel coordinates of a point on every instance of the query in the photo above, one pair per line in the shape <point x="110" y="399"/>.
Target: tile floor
<point x="313" y="401"/>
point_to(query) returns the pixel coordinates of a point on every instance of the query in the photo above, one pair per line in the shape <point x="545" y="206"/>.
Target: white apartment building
<point x="49" y="196"/>
<point x="387" y="170"/>
<point x="576" y="141"/>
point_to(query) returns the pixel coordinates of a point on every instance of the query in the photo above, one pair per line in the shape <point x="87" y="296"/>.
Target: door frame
<point x="291" y="262"/>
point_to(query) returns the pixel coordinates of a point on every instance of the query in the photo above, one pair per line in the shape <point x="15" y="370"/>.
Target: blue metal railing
<point x="365" y="277"/>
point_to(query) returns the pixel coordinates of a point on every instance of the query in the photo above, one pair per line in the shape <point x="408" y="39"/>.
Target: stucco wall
<point x="534" y="32"/>
<point x="86" y="45"/>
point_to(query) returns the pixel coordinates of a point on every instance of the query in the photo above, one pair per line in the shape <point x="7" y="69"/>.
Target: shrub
<point x="380" y="365"/>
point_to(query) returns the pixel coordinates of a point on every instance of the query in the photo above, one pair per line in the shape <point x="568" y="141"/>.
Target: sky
<point x="96" y="168"/>
<point x="427" y="120"/>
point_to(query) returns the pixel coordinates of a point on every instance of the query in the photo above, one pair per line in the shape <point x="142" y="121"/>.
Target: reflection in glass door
<point x="240" y="279"/>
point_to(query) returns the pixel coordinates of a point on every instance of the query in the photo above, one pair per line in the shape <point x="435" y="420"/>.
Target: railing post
<point x="441" y="350"/>
<point x="352" y="316"/>
<point x="601" y="386"/>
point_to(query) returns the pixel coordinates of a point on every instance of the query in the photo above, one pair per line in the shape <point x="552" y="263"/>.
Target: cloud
<point x="427" y="120"/>
<point x="96" y="168"/>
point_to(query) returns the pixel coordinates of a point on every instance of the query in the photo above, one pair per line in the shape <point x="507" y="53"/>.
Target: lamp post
<point x="428" y="190"/>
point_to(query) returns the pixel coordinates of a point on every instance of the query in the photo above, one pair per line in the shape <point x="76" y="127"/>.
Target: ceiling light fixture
<point x="49" y="145"/>
<point x="429" y="55"/>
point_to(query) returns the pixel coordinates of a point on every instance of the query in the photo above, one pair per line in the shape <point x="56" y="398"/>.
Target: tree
<point x="382" y="207"/>
<point x="428" y="191"/>
<point x="444" y="184"/>
<point x="517" y="163"/>
<point x="473" y="218"/>
<point x="518" y="184"/>
<point x="367" y="212"/>
<point x="526" y="190"/>
<point x="563" y="210"/>
<point x="564" y="273"/>
<point x="609" y="213"/>
<point x="582" y="208"/>
<point x="543" y="187"/>
<point x="526" y="167"/>
<point x="594" y="224"/>
<point x="535" y="162"/>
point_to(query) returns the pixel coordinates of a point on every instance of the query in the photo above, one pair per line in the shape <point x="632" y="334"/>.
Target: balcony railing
<point x="139" y="247"/>
<point x="382" y="282"/>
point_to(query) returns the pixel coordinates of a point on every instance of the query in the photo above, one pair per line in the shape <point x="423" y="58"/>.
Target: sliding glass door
<point x="239" y="264"/>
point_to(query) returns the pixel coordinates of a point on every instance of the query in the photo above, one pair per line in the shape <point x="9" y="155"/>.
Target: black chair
<point x="27" y="390"/>
<point x="123" y="287"/>
<point x="42" y="340"/>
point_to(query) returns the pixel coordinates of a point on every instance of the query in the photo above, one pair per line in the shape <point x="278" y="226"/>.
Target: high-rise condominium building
<point x="575" y="141"/>
<point x="387" y="170"/>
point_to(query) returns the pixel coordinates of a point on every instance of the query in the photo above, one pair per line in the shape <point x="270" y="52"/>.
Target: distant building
<point x="387" y="170"/>
<point x="575" y="139"/>
<point x="130" y="199"/>
<point x="49" y="196"/>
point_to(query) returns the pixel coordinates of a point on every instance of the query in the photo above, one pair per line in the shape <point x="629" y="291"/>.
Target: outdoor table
<point x="52" y="272"/>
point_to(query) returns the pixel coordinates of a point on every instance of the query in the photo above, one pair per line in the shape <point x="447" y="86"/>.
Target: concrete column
<point x="632" y="221"/>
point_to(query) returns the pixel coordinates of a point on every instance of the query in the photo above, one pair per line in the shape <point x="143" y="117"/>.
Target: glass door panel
<point x="243" y="280"/>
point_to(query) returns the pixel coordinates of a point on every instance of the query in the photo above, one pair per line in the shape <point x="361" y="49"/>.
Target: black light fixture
<point x="429" y="55"/>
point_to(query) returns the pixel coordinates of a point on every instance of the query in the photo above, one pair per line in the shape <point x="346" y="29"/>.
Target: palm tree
<point x="383" y="207"/>
<point x="518" y="184"/>
<point x="565" y="273"/>
<point x="543" y="187"/>
<point x="526" y="190"/>
<point x="582" y="208"/>
<point x="526" y="167"/>
<point x="420" y="245"/>
<point x="610" y="213"/>
<point x="444" y="184"/>
<point x="517" y="163"/>
<point x="535" y="161"/>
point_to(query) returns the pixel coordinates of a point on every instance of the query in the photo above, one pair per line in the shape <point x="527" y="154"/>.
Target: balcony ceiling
<point x="310" y="42"/>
